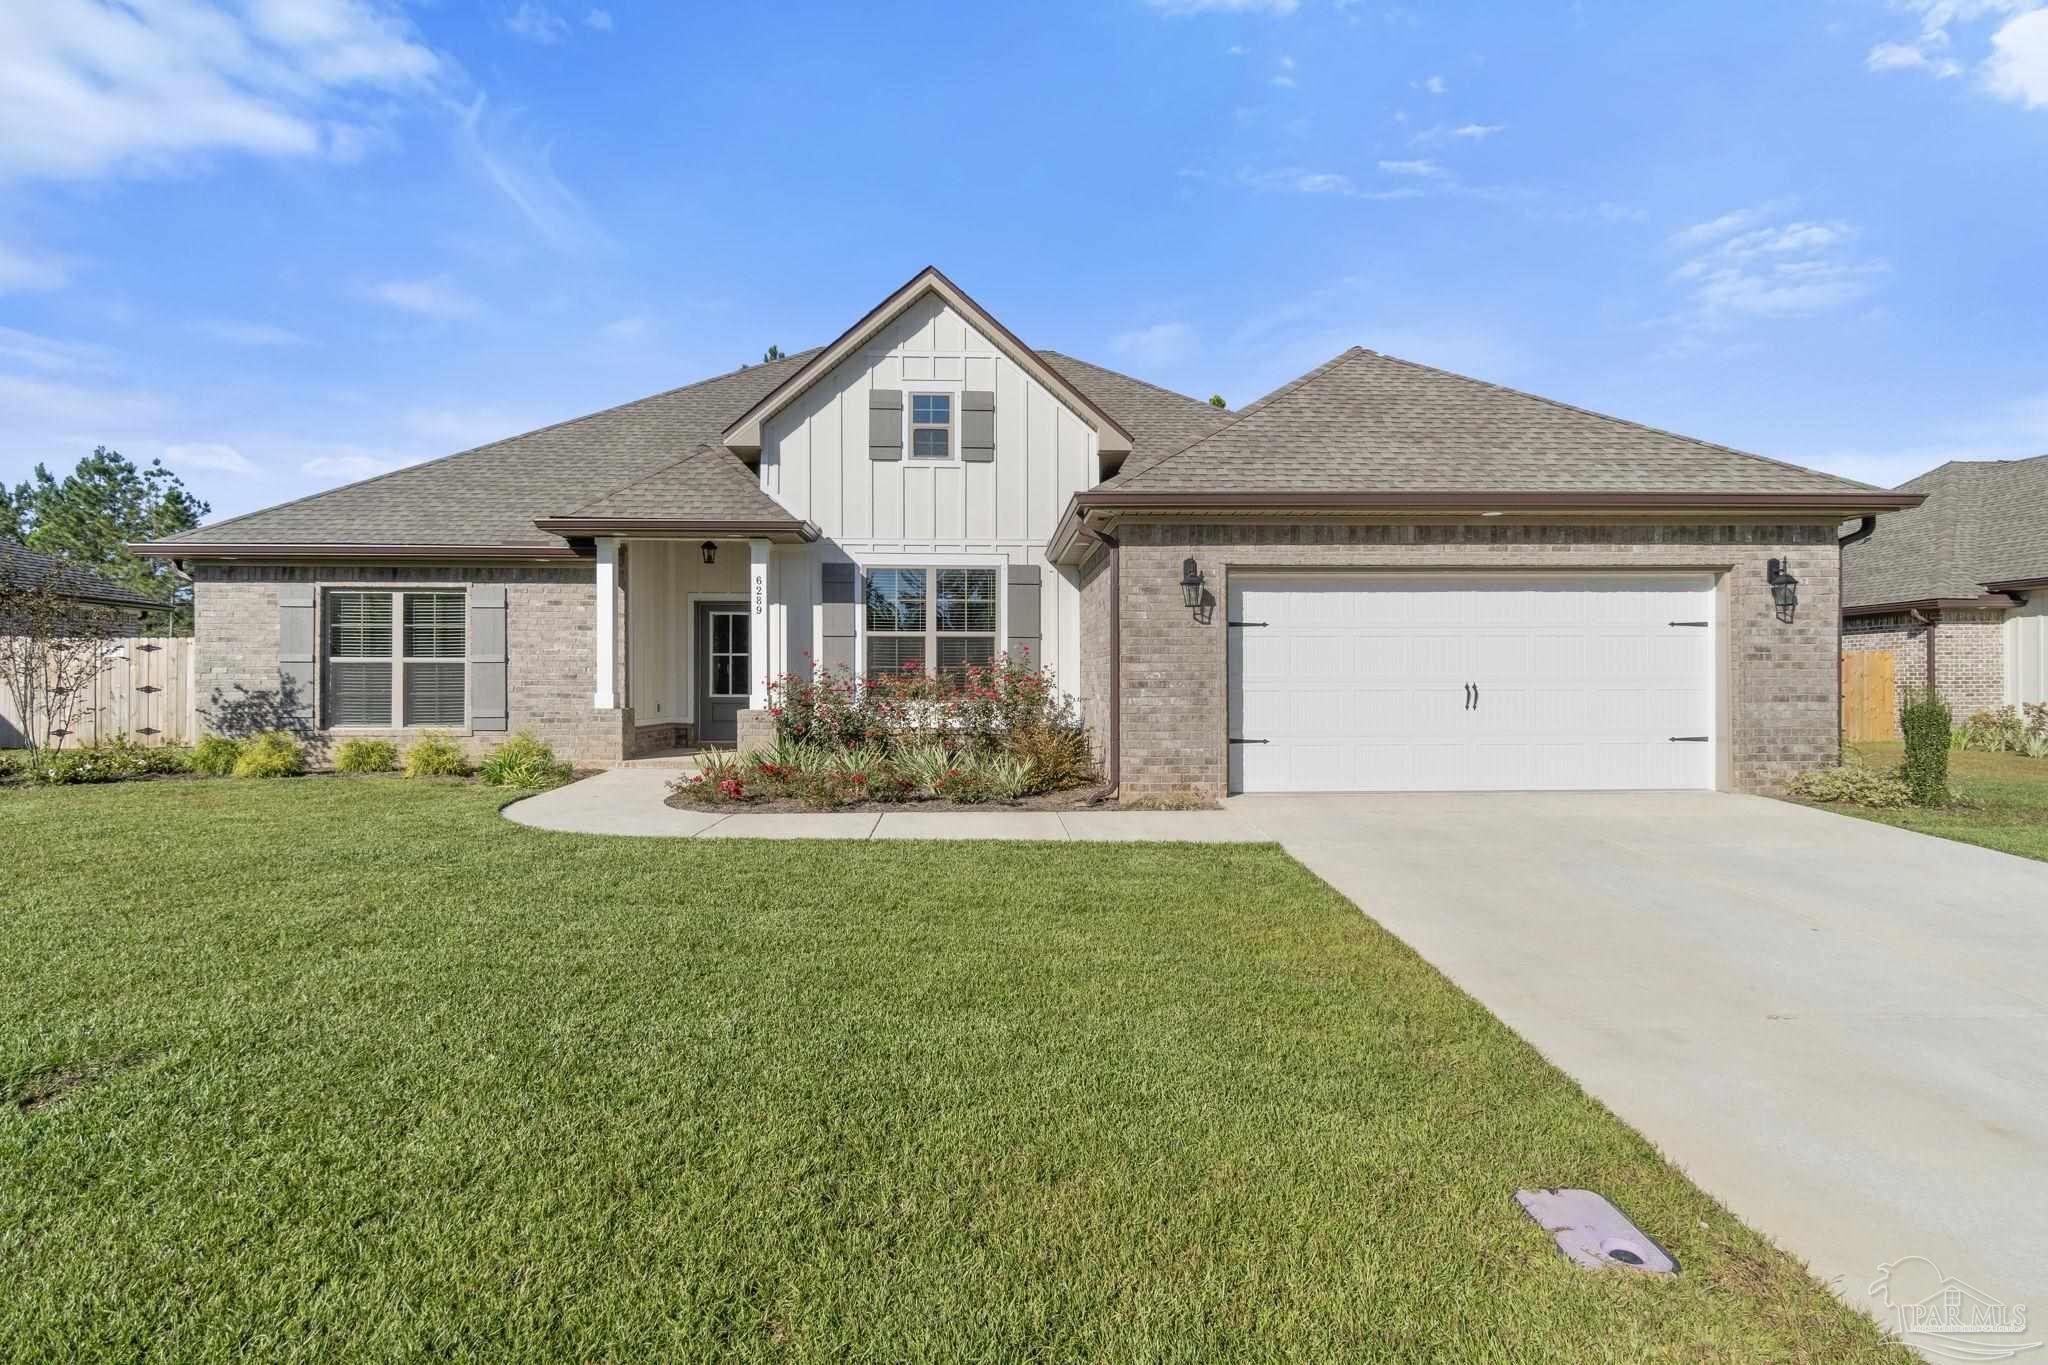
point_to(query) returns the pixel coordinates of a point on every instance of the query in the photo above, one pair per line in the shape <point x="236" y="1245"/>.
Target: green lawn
<point x="325" y="1068"/>
<point x="2006" y="804"/>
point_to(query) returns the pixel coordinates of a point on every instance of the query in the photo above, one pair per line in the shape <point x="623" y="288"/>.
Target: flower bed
<point x="996" y="733"/>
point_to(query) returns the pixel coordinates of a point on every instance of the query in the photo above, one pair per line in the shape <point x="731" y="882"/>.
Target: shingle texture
<point x="711" y="483"/>
<point x="1984" y="521"/>
<point x="658" y="457"/>
<point x="23" y="567"/>
<point x="1368" y="423"/>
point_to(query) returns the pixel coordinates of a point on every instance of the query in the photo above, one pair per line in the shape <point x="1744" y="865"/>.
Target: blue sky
<point x="284" y="244"/>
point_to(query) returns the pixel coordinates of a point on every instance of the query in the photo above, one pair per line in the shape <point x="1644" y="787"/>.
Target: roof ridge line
<point x="1259" y="405"/>
<point x="443" y="459"/>
<point x="654" y="473"/>
<point x="1623" y="421"/>
<point x="1142" y="383"/>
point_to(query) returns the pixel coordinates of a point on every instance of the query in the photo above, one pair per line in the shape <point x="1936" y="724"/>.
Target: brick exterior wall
<point x="550" y="612"/>
<point x="1093" y="698"/>
<point x="1969" y="654"/>
<point x="755" y="731"/>
<point x="1781" y="695"/>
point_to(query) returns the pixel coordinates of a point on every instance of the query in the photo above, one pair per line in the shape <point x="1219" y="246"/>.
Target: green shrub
<point x="114" y="760"/>
<point x="435" y="755"/>
<point x="1925" y="720"/>
<point x="12" y="762"/>
<point x="1853" y="785"/>
<point x="215" y="755"/>
<point x="366" y="756"/>
<point x="271" y="754"/>
<point x="924" y="766"/>
<point x="523" y="761"/>
<point x="1058" y="756"/>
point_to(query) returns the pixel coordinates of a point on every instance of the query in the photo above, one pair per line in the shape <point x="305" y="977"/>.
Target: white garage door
<point x="1458" y="683"/>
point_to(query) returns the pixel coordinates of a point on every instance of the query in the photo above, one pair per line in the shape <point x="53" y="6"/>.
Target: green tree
<point x="1216" y="401"/>
<point x="89" y="517"/>
<point x="772" y="353"/>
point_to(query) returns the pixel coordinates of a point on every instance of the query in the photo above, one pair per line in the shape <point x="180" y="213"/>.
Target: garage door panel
<point x="1364" y="683"/>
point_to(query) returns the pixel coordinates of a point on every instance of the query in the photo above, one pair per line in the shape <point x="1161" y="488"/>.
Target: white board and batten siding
<point x="1471" y="683"/>
<point x="815" y="461"/>
<point x="2026" y="652"/>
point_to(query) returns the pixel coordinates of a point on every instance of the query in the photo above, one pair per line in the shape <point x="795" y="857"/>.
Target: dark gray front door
<point x="721" y="670"/>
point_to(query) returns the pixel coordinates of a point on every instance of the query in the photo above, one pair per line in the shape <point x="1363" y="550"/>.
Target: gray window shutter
<point x="1023" y="614"/>
<point x="298" y="627"/>
<point x="885" y="424"/>
<point x="487" y="700"/>
<point x="839" y="603"/>
<point x="977" y="426"/>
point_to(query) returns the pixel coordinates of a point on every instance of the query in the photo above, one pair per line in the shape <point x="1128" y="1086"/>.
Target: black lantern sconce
<point x="710" y="549"/>
<point x="1190" y="585"/>
<point x="1784" y="590"/>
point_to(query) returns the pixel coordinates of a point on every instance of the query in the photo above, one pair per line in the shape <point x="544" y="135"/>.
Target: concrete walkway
<point x="631" y="801"/>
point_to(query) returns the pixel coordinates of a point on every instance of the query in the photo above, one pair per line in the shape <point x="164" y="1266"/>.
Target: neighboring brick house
<point x="1954" y="588"/>
<point x="1381" y="576"/>
<point x="101" y="600"/>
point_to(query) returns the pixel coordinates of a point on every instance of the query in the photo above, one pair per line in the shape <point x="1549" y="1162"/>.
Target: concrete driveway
<point x="1838" y="1029"/>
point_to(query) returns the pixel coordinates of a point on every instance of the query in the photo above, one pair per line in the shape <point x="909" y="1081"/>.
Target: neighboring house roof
<point x="1112" y="441"/>
<point x="1368" y="423"/>
<point x="648" y="460"/>
<point x="1983" y="528"/>
<point x="23" y="567"/>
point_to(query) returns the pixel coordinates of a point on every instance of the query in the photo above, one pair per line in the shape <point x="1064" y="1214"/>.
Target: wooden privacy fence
<point x="1870" y="705"/>
<point x="144" y="693"/>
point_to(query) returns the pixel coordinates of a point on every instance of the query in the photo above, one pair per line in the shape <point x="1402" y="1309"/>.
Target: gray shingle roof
<point x="1368" y="423"/>
<point x="641" y="459"/>
<point x="1984" y="521"/>
<point x="23" y="567"/>
<point x="711" y="483"/>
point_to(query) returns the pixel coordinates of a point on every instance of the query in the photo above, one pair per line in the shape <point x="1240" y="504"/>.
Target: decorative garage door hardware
<point x="1690" y="739"/>
<point x="1243" y="625"/>
<point x="1690" y="623"/>
<point x="1251" y="741"/>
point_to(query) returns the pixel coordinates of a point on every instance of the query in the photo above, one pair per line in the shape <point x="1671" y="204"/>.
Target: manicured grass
<point x="316" y="1069"/>
<point x="2006" y="800"/>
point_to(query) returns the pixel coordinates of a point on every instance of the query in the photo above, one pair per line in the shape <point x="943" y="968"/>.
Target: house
<point x="1953" y="587"/>
<point x="1381" y="576"/>
<point x="21" y="567"/>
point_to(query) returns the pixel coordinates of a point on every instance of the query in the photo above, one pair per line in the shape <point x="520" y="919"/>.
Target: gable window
<point x="937" y="620"/>
<point x="396" y="658"/>
<point x="931" y="426"/>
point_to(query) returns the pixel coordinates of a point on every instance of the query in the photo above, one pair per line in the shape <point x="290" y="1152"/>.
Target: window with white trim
<point x="936" y="620"/>
<point x="396" y="658"/>
<point x="931" y="426"/>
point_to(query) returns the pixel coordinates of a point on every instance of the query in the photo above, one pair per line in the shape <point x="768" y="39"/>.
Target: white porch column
<point x="604" y="640"/>
<point x="760" y="593"/>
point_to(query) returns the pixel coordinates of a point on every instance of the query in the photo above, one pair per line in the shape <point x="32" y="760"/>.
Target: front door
<point x="721" y="670"/>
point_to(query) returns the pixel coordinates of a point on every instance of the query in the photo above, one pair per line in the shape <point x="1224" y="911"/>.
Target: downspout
<point x="1927" y="621"/>
<point x="1862" y="532"/>
<point x="1112" y="776"/>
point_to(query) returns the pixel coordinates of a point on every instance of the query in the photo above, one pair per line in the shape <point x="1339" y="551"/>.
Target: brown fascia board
<point x="270" y="550"/>
<point x="2018" y="584"/>
<point x="744" y="434"/>
<point x="1989" y="602"/>
<point x="618" y="526"/>
<point x="1820" y="505"/>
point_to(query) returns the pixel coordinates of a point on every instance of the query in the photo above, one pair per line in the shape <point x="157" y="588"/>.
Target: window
<point x="931" y="426"/>
<point x="416" y="673"/>
<point x="943" y="631"/>
<point x="728" y="653"/>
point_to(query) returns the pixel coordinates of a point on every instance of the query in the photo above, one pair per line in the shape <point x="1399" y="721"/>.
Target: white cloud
<point x="345" y="465"/>
<point x="1435" y="85"/>
<point x="1277" y="8"/>
<point x="504" y="154"/>
<point x="214" y="458"/>
<point x="599" y="19"/>
<point x="48" y="353"/>
<point x="238" y="333"/>
<point x="1157" y="346"/>
<point x="1477" y="131"/>
<point x="1904" y="56"/>
<point x="2018" y="66"/>
<point x="536" y="23"/>
<point x="431" y="298"/>
<point x="93" y="89"/>
<point x="626" y="330"/>
<point x="1284" y="78"/>
<point x="1752" y="264"/>
<point x="1421" y="168"/>
<point x="25" y="272"/>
